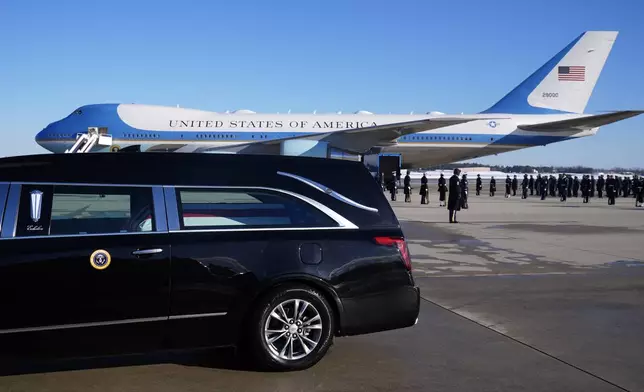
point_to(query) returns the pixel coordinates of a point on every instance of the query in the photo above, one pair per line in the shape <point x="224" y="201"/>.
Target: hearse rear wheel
<point x="292" y="328"/>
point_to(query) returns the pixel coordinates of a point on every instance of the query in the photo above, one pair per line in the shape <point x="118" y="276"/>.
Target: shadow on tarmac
<point x="220" y="358"/>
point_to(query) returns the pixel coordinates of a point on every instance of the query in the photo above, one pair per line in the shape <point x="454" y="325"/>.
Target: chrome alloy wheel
<point x="293" y="329"/>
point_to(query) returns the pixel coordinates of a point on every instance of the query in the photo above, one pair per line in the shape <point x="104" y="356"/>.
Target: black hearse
<point x="103" y="254"/>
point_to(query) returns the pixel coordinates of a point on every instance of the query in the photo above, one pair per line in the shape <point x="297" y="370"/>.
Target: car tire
<point x="317" y="326"/>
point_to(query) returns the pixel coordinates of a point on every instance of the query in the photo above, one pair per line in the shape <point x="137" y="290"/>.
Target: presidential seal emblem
<point x="100" y="259"/>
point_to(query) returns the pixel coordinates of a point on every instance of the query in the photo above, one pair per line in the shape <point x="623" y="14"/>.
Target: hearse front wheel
<point x="291" y="328"/>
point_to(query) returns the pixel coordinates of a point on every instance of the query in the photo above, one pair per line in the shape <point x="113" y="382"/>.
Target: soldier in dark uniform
<point x="639" y="191"/>
<point x="392" y="186"/>
<point x="600" y="186"/>
<point x="575" y="187"/>
<point x="569" y="185"/>
<point x="552" y="183"/>
<point x="508" y="186"/>
<point x="610" y="189"/>
<point x="524" y="187"/>
<point x="537" y="185"/>
<point x="592" y="186"/>
<point x="618" y="186"/>
<point x="407" y="187"/>
<point x="622" y="184"/>
<point x="464" y="191"/>
<point x="626" y="187"/>
<point x="479" y="185"/>
<point x="492" y="186"/>
<point x="531" y="185"/>
<point x="585" y="188"/>
<point x="515" y="185"/>
<point x="424" y="190"/>
<point x="454" y="201"/>
<point x="563" y="188"/>
<point x="442" y="189"/>
<point x="634" y="183"/>
<point x="543" y="184"/>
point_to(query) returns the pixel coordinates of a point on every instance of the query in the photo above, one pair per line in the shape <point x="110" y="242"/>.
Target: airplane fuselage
<point x="167" y="128"/>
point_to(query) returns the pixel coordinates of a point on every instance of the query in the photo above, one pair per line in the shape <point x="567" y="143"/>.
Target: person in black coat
<point x="600" y="186"/>
<point x="531" y="185"/>
<point x="611" y="185"/>
<point x="492" y="186"/>
<point x="638" y="183"/>
<point x="524" y="187"/>
<point x="442" y="190"/>
<point x="407" y="187"/>
<point x="585" y="188"/>
<point x="592" y="186"/>
<point x="544" y="188"/>
<point x="454" y="200"/>
<point x="508" y="186"/>
<point x="626" y="187"/>
<point x="563" y="187"/>
<point x="515" y="185"/>
<point x="465" y="189"/>
<point x="479" y="185"/>
<point x="575" y="187"/>
<point x="392" y="186"/>
<point x="424" y="190"/>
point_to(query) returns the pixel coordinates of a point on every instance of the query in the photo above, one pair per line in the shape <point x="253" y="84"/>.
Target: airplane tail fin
<point x="563" y="84"/>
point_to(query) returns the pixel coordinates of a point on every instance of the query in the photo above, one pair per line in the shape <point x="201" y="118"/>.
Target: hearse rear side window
<point x="241" y="208"/>
<point x="74" y="210"/>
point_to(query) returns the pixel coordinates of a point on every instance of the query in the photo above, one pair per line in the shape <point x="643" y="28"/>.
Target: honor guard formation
<point x="454" y="194"/>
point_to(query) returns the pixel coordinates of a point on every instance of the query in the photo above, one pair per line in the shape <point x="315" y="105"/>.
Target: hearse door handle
<point x="147" y="252"/>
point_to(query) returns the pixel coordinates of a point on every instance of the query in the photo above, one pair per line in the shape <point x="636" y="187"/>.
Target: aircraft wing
<point x="356" y="140"/>
<point x="583" y="123"/>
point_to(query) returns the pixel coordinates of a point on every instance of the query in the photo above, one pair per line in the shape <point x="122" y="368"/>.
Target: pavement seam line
<point x="526" y="345"/>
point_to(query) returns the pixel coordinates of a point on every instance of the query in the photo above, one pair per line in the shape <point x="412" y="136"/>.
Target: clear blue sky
<point x="272" y="56"/>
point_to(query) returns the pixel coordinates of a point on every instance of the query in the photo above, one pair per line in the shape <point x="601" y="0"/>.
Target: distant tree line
<point x="538" y="169"/>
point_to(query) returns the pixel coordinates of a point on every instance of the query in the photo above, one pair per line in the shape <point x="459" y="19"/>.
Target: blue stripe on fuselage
<point x="158" y="137"/>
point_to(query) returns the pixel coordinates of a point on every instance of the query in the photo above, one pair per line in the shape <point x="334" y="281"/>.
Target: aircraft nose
<point x="39" y="136"/>
<point x="44" y="137"/>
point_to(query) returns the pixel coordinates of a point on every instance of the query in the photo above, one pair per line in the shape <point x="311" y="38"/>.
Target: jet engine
<point x="339" y="154"/>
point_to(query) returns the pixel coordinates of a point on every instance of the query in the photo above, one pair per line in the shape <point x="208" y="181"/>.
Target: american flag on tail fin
<point x="572" y="73"/>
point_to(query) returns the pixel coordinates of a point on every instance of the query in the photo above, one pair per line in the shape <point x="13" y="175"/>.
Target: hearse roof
<point x="160" y="168"/>
<point x="350" y="179"/>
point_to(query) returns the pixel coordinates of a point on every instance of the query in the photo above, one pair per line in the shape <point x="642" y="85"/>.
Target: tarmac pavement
<point x="523" y="295"/>
<point x="565" y="278"/>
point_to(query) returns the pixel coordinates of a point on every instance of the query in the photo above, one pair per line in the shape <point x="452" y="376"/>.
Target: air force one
<point x="545" y="108"/>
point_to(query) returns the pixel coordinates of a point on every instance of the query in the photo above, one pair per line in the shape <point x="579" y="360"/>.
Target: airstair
<point x="86" y="141"/>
